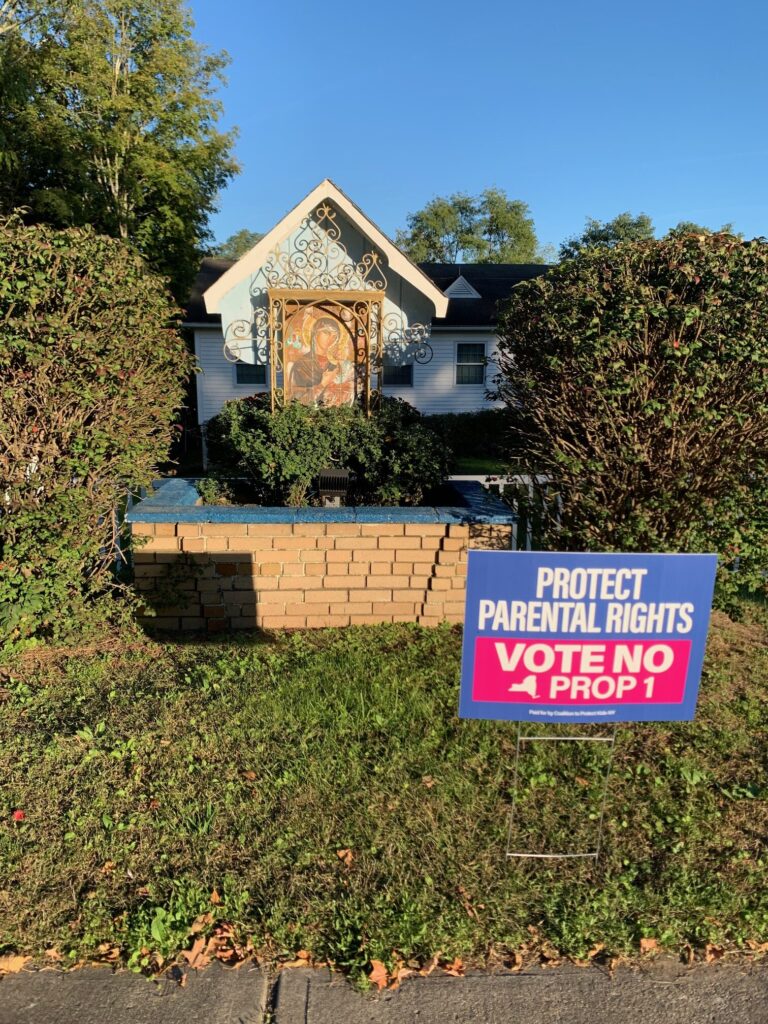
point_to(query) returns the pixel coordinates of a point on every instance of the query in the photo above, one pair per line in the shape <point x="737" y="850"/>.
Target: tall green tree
<point x="625" y="227"/>
<point x="489" y="228"/>
<point x="117" y="126"/>
<point x="689" y="227"/>
<point x="238" y="244"/>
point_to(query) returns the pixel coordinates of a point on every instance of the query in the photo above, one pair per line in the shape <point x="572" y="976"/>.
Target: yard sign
<point x="581" y="638"/>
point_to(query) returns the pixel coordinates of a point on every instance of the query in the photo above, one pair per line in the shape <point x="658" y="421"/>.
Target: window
<point x="250" y="373"/>
<point x="397" y="375"/>
<point x="470" y="363"/>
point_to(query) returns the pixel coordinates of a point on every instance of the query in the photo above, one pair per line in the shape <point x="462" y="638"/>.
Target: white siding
<point x="216" y="383"/>
<point x="434" y="383"/>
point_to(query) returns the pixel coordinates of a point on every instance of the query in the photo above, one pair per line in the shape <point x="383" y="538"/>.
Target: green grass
<point x="152" y="775"/>
<point x="467" y="465"/>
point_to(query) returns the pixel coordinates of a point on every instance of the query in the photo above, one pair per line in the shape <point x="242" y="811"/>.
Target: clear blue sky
<point x="579" y="108"/>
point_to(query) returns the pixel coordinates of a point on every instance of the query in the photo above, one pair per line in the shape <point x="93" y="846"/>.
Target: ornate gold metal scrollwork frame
<point x="361" y="310"/>
<point x="318" y="269"/>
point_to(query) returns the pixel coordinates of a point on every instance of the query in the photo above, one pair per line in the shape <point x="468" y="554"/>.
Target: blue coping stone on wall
<point x="176" y="500"/>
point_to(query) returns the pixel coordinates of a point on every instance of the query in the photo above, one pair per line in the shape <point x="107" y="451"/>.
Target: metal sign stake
<point x="522" y="738"/>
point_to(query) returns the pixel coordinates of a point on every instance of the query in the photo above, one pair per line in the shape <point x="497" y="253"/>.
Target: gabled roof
<point x="252" y="261"/>
<point x="493" y="281"/>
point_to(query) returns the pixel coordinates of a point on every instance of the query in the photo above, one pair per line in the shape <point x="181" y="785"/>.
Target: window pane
<point x="398" y="376"/>
<point x="470" y="374"/>
<point x="248" y="373"/>
<point x="470" y="353"/>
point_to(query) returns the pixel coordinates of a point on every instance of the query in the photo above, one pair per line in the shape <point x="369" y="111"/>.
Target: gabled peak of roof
<point x="317" y="200"/>
<point x="461" y="289"/>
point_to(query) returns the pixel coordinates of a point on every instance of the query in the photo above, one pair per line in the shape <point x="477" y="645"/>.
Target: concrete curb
<point x="665" y="992"/>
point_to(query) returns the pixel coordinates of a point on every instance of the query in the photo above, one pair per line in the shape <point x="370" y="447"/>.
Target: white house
<point x="326" y="308"/>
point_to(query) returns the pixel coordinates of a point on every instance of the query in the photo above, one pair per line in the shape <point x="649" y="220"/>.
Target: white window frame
<point x="461" y="384"/>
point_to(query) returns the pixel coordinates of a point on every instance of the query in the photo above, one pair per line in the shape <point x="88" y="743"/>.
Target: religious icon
<point x="319" y="358"/>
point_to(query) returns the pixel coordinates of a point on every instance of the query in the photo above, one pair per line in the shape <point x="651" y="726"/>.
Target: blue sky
<point x="579" y="108"/>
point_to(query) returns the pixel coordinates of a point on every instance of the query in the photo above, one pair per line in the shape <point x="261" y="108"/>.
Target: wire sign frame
<point x="522" y="738"/>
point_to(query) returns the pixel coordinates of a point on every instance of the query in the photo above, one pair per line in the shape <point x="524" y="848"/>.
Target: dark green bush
<point x="393" y="457"/>
<point x="643" y="374"/>
<point x="92" y="368"/>
<point x="474" y="434"/>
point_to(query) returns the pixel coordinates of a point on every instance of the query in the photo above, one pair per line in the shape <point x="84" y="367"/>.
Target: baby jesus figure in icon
<point x="319" y="358"/>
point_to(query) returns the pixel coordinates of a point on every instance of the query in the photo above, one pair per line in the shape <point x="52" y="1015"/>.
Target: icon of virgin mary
<point x="319" y="358"/>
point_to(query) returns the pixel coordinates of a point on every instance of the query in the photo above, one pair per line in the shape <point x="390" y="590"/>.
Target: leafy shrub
<point x="92" y="368"/>
<point x="643" y="374"/>
<point x="471" y="433"/>
<point x="393" y="457"/>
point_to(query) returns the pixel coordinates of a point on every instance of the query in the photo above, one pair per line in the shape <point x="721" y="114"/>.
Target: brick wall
<point x="213" y="576"/>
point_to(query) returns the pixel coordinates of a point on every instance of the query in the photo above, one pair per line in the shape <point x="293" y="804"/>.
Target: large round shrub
<point x="92" y="368"/>
<point x="642" y="374"/>
<point x="393" y="458"/>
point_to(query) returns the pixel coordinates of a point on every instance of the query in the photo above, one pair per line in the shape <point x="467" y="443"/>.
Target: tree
<point x="238" y="244"/>
<point x="688" y="227"/>
<point x="641" y="375"/>
<point x="8" y="12"/>
<point x="623" y="228"/>
<point x="489" y="228"/>
<point x="118" y="126"/>
<point x="93" y="368"/>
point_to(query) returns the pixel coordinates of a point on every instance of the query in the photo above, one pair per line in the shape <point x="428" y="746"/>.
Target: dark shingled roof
<point x="494" y="281"/>
<point x="210" y="270"/>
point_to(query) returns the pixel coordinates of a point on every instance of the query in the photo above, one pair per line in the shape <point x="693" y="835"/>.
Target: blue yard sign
<point x="583" y="638"/>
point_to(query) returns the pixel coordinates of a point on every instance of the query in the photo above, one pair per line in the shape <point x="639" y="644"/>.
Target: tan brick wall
<point x="215" y="576"/>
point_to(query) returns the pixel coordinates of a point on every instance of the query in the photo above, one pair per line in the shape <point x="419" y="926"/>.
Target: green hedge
<point x="643" y="373"/>
<point x="393" y="458"/>
<point x="92" y="369"/>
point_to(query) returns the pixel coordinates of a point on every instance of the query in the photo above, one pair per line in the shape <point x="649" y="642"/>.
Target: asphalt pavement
<point x="663" y="992"/>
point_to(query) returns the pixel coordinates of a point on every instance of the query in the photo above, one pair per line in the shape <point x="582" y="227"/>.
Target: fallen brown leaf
<point x="649" y="945"/>
<point x="598" y="948"/>
<point x="295" y="963"/>
<point x="108" y="952"/>
<point x="53" y="954"/>
<point x="428" y="968"/>
<point x="215" y="898"/>
<point x="712" y="952"/>
<point x="12" y="964"/>
<point x="400" y="974"/>
<point x="251" y="776"/>
<point x="455" y="969"/>
<point x="554" y="961"/>
<point x="197" y="957"/>
<point x="514" y="962"/>
<point x="428" y="781"/>
<point x="200" y="922"/>
<point x="379" y="975"/>
<point x="345" y="856"/>
<point x="303" y="959"/>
